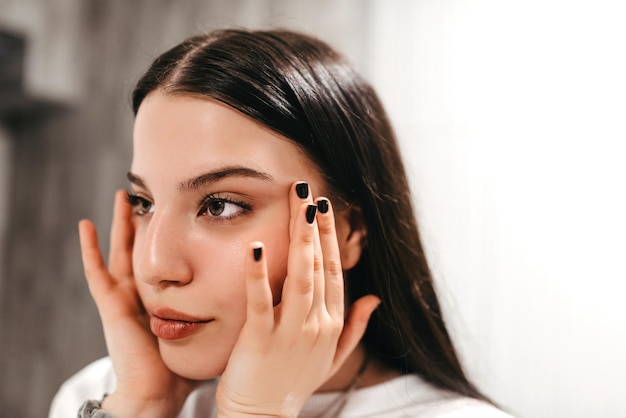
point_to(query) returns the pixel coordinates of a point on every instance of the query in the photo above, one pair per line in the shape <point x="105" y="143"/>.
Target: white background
<point x="512" y="116"/>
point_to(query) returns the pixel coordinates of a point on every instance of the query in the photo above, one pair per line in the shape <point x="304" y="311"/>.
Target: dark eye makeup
<point x="216" y="206"/>
<point x="220" y="207"/>
<point x="141" y="206"/>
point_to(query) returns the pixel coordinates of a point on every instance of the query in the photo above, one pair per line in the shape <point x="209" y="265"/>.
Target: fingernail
<point x="257" y="252"/>
<point x="302" y="190"/>
<point x="310" y="213"/>
<point x="322" y="205"/>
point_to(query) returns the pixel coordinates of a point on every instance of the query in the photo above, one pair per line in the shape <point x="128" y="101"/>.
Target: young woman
<point x="266" y="261"/>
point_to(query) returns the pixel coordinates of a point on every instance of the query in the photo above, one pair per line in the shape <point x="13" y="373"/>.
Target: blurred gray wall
<point x="65" y="146"/>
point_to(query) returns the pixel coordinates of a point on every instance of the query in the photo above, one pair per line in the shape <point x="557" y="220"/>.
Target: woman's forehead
<point x="187" y="135"/>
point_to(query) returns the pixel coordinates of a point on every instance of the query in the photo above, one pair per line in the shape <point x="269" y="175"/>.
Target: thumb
<point x="354" y="328"/>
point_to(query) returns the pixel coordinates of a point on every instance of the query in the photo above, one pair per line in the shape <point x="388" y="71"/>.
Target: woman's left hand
<point x="285" y="352"/>
<point x="145" y="386"/>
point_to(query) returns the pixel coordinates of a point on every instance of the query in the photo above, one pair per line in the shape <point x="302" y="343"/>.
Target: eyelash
<point x="138" y="203"/>
<point x="142" y="206"/>
<point x="214" y="198"/>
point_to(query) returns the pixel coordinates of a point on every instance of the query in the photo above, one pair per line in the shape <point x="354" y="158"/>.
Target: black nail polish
<point x="322" y="205"/>
<point x="257" y="252"/>
<point x="310" y="213"/>
<point x="302" y="190"/>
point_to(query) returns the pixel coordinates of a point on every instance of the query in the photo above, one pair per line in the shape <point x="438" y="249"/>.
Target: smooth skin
<point x="280" y="318"/>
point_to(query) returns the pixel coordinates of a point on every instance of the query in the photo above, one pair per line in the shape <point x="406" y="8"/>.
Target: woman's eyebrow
<point x="201" y="180"/>
<point x="215" y="175"/>
<point x="136" y="180"/>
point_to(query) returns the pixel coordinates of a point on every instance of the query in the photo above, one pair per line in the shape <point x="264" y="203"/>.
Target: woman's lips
<point x="168" y="324"/>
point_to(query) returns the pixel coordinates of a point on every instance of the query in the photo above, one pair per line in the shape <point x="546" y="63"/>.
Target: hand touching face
<point x="207" y="181"/>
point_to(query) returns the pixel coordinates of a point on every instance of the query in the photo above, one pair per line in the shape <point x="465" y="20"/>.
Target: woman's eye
<point x="216" y="207"/>
<point x="221" y="208"/>
<point x="140" y="205"/>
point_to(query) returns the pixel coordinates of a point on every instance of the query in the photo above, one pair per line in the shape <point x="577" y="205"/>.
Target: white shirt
<point x="402" y="397"/>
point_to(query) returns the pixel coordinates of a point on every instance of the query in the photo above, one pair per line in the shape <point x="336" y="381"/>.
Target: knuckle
<point x="306" y="285"/>
<point x="91" y="270"/>
<point x="318" y="263"/>
<point x="326" y="228"/>
<point x="333" y="265"/>
<point x="336" y="328"/>
<point x="311" y="330"/>
<point x="329" y="331"/>
<point x="307" y="238"/>
<point x="258" y="307"/>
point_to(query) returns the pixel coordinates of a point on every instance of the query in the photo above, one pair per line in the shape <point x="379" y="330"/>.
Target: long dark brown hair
<point x="301" y="88"/>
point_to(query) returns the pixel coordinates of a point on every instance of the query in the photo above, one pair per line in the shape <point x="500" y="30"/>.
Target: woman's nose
<point x="160" y="254"/>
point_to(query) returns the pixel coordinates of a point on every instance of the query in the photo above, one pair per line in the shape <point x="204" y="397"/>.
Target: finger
<point x="356" y="324"/>
<point x="297" y="295"/>
<point x="259" y="305"/>
<point x="299" y="193"/>
<point x="122" y="236"/>
<point x="102" y="285"/>
<point x="333" y="273"/>
<point x="98" y="278"/>
<point x="319" y="302"/>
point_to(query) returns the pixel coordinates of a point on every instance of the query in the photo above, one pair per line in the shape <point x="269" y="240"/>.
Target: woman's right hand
<point x="145" y="386"/>
<point x="287" y="350"/>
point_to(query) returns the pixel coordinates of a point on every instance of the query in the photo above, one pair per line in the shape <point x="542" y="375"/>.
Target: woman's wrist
<point x="252" y="412"/>
<point x="121" y="406"/>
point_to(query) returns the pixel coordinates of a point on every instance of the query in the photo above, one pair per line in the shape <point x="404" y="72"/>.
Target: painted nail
<point x="302" y="190"/>
<point x="322" y="205"/>
<point x="310" y="213"/>
<point x="257" y="252"/>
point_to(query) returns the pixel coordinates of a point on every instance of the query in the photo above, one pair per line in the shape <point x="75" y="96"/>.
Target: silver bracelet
<point x="93" y="409"/>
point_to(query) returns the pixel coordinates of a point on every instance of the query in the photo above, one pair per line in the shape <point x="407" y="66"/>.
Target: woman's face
<point x="208" y="181"/>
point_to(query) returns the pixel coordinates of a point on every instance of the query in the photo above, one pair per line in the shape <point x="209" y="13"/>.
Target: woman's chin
<point x="193" y="362"/>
